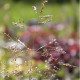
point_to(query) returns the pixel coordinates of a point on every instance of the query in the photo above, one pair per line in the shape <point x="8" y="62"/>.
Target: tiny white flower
<point x="34" y="8"/>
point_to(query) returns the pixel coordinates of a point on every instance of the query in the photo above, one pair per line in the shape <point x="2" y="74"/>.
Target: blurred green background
<point x="62" y="10"/>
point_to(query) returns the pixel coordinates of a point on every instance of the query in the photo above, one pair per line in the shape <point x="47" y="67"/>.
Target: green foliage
<point x="19" y="10"/>
<point x="50" y="1"/>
